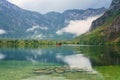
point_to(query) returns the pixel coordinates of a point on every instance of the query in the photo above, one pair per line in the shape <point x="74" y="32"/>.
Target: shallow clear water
<point x="83" y="58"/>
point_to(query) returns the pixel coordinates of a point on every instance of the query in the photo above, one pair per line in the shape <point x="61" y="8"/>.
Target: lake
<point x="67" y="62"/>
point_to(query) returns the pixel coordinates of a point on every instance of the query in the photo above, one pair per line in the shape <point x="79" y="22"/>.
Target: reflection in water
<point x="77" y="61"/>
<point x="45" y="55"/>
<point x="16" y="58"/>
<point x="31" y="59"/>
<point x="35" y="53"/>
<point x="2" y="56"/>
<point x="102" y="55"/>
<point x="70" y="55"/>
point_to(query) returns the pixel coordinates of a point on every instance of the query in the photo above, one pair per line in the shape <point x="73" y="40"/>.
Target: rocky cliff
<point x="113" y="10"/>
<point x="106" y="29"/>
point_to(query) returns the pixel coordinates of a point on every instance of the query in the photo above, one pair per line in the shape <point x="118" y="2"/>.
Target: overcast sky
<point x="44" y="6"/>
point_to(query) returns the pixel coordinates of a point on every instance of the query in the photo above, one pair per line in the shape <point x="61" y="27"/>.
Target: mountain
<point x="17" y="23"/>
<point x="106" y="29"/>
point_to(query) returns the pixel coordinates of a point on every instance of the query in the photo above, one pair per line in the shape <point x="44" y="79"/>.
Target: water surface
<point x="23" y="61"/>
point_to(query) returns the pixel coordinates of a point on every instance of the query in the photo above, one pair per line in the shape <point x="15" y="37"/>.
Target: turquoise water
<point x="23" y="61"/>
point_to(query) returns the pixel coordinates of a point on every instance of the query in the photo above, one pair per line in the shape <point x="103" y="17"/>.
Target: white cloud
<point x="2" y="31"/>
<point x="44" y="6"/>
<point x="38" y="36"/>
<point x="77" y="27"/>
<point x="36" y="27"/>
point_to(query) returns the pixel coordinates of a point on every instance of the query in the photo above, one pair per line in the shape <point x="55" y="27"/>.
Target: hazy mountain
<point x="105" y="29"/>
<point x="17" y="23"/>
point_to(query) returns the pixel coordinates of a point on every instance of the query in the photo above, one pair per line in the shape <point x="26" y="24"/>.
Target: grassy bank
<point x="109" y="72"/>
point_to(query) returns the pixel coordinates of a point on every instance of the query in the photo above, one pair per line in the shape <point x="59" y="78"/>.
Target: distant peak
<point x="102" y="8"/>
<point x="52" y="12"/>
<point x="8" y="5"/>
<point x="3" y="0"/>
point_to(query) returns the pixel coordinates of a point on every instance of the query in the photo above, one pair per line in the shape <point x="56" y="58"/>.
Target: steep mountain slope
<point x="17" y="23"/>
<point x="105" y="29"/>
<point x="15" y="20"/>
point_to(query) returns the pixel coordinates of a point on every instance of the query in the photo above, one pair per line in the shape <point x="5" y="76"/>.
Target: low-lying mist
<point x="78" y="27"/>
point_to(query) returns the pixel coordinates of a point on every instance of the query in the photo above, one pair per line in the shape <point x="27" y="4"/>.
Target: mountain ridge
<point x="16" y="21"/>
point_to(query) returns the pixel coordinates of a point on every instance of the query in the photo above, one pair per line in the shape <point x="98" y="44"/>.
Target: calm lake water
<point x="18" y="61"/>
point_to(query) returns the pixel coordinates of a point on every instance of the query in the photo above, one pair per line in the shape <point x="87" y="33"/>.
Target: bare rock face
<point x="113" y="31"/>
<point x="115" y="5"/>
<point x="113" y="10"/>
<point x="115" y="27"/>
